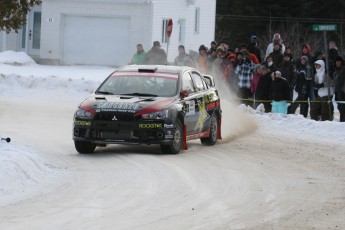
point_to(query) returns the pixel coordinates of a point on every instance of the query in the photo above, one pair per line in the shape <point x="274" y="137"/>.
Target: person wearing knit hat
<point x="253" y="47"/>
<point x="229" y="73"/>
<point x="280" y="93"/>
<point x="306" y="51"/>
<point x="304" y="87"/>
<point x="156" y="55"/>
<point x="276" y="39"/>
<point x="304" y="57"/>
<point x="213" y="45"/>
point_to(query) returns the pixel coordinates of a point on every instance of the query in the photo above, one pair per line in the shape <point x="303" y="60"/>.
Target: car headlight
<point x="81" y="113"/>
<point x="156" y="115"/>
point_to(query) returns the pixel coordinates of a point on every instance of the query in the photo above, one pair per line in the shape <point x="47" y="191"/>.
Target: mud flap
<point x="219" y="128"/>
<point x="185" y="146"/>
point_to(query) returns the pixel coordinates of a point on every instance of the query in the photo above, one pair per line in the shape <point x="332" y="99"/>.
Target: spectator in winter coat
<point x="253" y="47"/>
<point x="244" y="71"/>
<point x="218" y="66"/>
<point x="255" y="81"/>
<point x="289" y="52"/>
<point x="256" y="78"/>
<point x="139" y="58"/>
<point x="276" y="39"/>
<point x="288" y="72"/>
<point x="213" y="45"/>
<point x="202" y="61"/>
<point x="156" y="56"/>
<point x="229" y="73"/>
<point x="333" y="52"/>
<point x="269" y="62"/>
<point x="253" y="58"/>
<point x="183" y="59"/>
<point x="332" y="55"/>
<point x="262" y="92"/>
<point x="277" y="56"/>
<point x="322" y="108"/>
<point x="339" y="85"/>
<point x="306" y="52"/>
<point x="304" y="87"/>
<point x="279" y="93"/>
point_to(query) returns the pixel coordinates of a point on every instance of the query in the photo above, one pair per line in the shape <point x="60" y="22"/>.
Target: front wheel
<point x="84" y="146"/>
<point x="212" y="138"/>
<point x="176" y="145"/>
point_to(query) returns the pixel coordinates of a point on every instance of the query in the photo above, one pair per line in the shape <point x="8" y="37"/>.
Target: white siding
<point x="180" y="9"/>
<point x="139" y="15"/>
<point x="11" y="41"/>
<point x="145" y="23"/>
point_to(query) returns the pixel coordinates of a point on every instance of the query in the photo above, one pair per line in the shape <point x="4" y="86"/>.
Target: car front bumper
<point x="124" y="132"/>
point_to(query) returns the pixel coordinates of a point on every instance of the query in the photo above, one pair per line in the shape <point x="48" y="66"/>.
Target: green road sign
<point x="322" y="27"/>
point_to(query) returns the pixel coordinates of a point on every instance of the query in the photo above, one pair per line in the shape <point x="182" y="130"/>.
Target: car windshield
<point x="140" y="84"/>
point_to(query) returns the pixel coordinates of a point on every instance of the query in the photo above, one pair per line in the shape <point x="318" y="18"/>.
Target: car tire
<point x="84" y="146"/>
<point x="212" y="139"/>
<point x="176" y="145"/>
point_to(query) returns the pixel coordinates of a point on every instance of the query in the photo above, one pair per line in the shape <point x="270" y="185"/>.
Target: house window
<point x="182" y="33"/>
<point x="23" y="37"/>
<point x="197" y="20"/>
<point x="164" y="31"/>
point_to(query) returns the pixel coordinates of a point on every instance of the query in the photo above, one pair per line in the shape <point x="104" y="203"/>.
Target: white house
<point x="105" y="32"/>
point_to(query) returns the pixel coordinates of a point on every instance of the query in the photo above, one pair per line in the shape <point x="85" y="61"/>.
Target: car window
<point x="162" y="85"/>
<point x="198" y="82"/>
<point x="187" y="83"/>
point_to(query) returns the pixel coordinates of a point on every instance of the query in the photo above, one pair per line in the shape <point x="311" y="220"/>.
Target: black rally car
<point x="165" y="105"/>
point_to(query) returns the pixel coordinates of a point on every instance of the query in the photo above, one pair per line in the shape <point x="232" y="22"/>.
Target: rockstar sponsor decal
<point x="82" y="123"/>
<point x="203" y="115"/>
<point x="117" y="107"/>
<point x="150" y="126"/>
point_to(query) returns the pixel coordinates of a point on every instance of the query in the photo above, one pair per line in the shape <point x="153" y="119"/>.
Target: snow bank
<point x="16" y="58"/>
<point x="23" y="173"/>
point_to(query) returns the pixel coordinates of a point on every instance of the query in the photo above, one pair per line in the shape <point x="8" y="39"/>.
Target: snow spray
<point x="235" y="121"/>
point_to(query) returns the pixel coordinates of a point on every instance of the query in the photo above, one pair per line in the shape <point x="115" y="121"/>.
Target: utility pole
<point x="270" y="29"/>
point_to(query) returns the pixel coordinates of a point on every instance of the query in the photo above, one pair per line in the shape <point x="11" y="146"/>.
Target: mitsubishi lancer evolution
<point x="144" y="104"/>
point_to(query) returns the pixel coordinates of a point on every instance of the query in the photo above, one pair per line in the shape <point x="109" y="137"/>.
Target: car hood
<point x="125" y="104"/>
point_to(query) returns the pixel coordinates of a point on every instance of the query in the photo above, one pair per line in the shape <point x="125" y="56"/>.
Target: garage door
<point x="95" y="40"/>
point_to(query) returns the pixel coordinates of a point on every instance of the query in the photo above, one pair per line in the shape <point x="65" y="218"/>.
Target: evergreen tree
<point x="13" y="12"/>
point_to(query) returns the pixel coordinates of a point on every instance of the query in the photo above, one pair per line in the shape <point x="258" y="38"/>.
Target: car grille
<point x="115" y="116"/>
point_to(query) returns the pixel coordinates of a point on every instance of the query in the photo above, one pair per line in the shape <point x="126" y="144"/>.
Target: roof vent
<point x="148" y="70"/>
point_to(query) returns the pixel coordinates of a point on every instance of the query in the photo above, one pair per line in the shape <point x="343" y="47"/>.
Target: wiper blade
<point x="140" y="94"/>
<point x="104" y="92"/>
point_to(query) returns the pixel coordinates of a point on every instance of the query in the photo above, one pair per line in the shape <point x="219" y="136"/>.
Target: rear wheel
<point x="176" y="145"/>
<point x="84" y="146"/>
<point x="212" y="139"/>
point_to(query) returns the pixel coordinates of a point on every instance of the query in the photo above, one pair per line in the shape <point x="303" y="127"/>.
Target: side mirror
<point x="209" y="80"/>
<point x="184" y="93"/>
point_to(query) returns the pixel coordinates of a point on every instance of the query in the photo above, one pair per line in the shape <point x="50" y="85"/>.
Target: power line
<point x="267" y="18"/>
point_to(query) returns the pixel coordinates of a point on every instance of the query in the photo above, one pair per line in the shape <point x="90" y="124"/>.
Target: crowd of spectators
<point x="275" y="78"/>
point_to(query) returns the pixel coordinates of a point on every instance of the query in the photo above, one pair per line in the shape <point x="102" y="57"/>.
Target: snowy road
<point x="258" y="180"/>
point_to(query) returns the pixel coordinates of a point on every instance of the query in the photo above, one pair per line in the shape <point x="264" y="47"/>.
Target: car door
<point x="194" y="102"/>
